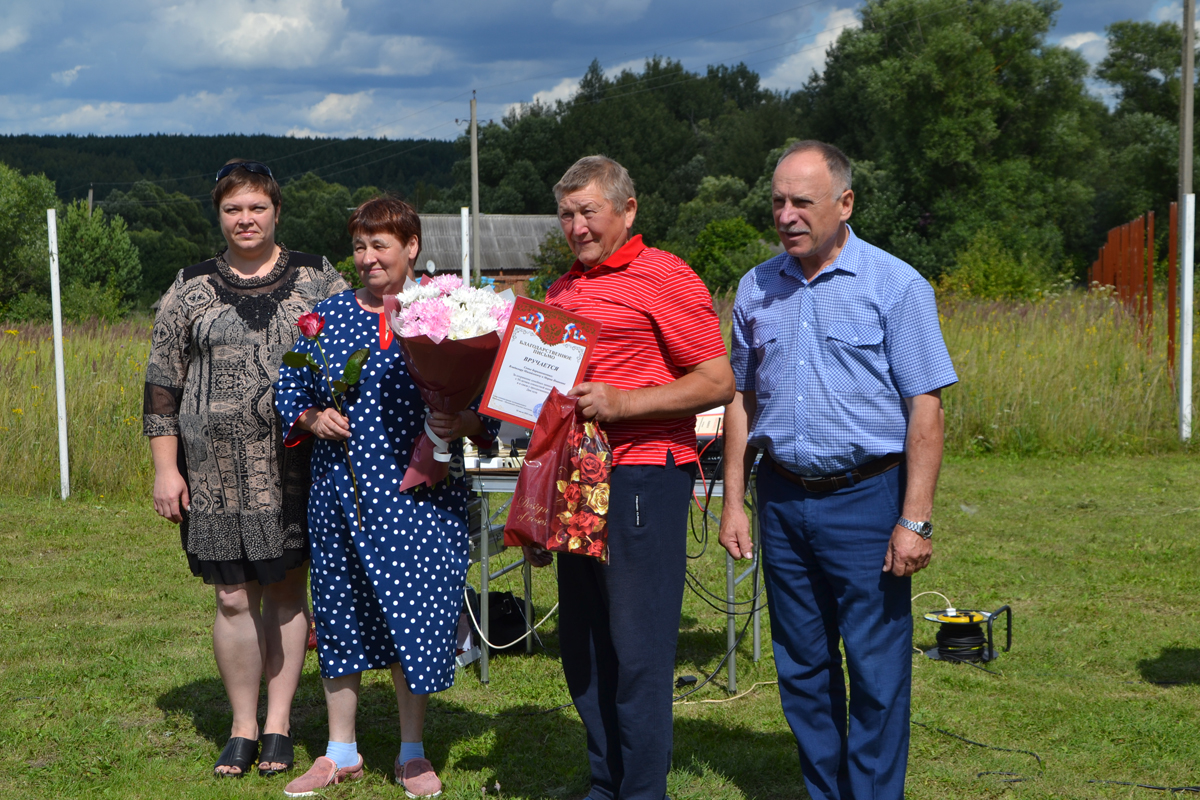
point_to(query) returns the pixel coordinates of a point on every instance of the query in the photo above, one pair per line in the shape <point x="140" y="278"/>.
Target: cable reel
<point x="960" y="635"/>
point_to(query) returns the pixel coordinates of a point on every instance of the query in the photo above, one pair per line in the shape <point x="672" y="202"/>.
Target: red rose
<point x="310" y="324"/>
<point x="573" y="494"/>
<point x="596" y="548"/>
<point x="575" y="437"/>
<point x="582" y="523"/>
<point x="592" y="468"/>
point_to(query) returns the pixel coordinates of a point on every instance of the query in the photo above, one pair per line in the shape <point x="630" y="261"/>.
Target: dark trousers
<point x="823" y="559"/>
<point x="618" y="627"/>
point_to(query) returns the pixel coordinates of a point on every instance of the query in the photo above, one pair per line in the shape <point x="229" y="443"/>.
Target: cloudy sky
<point x="395" y="69"/>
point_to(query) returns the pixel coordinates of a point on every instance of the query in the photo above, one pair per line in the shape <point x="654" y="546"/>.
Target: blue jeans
<point x="823" y="557"/>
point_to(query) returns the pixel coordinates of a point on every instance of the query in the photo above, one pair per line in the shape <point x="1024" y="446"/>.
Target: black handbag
<point x="506" y="618"/>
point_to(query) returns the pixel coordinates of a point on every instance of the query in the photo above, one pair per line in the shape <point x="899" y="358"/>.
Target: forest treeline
<point x="982" y="154"/>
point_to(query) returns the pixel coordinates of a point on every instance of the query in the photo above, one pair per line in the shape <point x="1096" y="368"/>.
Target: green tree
<point x="24" y="252"/>
<point x="717" y="198"/>
<point x="313" y="216"/>
<point x="169" y="230"/>
<point x="725" y="251"/>
<point x="970" y="113"/>
<point x="96" y="254"/>
<point x="1139" y="169"/>
<point x="1143" y="63"/>
<point x="988" y="269"/>
<point x="553" y="259"/>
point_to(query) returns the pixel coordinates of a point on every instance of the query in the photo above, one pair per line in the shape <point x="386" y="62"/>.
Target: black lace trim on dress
<point x="230" y="276"/>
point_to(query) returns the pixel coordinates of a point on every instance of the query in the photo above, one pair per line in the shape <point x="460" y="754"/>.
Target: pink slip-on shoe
<point x="418" y="778"/>
<point x="324" y="772"/>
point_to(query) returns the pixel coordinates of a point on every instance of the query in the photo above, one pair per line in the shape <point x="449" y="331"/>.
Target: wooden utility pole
<point x="1187" y="208"/>
<point x="89" y="202"/>
<point x="475" y="197"/>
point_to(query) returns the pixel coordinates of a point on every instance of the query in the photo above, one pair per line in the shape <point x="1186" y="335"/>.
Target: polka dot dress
<point x="391" y="592"/>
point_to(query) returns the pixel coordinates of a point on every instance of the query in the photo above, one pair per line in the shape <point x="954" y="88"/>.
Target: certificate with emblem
<point x="543" y="348"/>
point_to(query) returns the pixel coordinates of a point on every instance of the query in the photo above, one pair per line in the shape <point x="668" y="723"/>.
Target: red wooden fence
<point x="1125" y="266"/>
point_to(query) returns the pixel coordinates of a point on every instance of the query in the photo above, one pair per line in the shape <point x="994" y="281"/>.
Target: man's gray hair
<point x="612" y="179"/>
<point x="835" y="159"/>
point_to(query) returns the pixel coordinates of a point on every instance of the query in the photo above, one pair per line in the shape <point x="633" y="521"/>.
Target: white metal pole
<point x="1188" y="237"/>
<point x="60" y="380"/>
<point x="475" y="242"/>
<point x="466" y="245"/>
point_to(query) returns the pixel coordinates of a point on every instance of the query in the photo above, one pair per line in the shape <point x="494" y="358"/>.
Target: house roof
<point x="508" y="241"/>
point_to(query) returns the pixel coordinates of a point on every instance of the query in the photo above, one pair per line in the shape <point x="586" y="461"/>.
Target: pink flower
<point x="426" y="318"/>
<point x="501" y="314"/>
<point x="447" y="283"/>
<point x="310" y="324"/>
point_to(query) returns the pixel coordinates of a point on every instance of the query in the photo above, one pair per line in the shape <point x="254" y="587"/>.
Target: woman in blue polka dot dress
<point x="389" y="594"/>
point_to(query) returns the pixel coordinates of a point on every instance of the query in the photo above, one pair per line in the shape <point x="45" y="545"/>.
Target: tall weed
<point x="1070" y="374"/>
<point x="105" y="367"/>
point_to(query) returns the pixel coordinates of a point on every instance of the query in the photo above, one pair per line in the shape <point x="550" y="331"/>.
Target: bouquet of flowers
<point x="450" y="335"/>
<point x="561" y="499"/>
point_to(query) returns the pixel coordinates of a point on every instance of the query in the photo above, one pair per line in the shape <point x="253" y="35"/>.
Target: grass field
<point x="108" y="688"/>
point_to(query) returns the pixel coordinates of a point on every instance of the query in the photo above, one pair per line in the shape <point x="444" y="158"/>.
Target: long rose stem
<point x="354" y="483"/>
<point x="345" y="444"/>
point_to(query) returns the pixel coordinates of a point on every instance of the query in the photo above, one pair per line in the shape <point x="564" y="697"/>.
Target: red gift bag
<point x="561" y="499"/>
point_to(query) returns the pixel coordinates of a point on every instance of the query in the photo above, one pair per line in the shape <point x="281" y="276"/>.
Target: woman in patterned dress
<point x="220" y="470"/>
<point x="387" y="593"/>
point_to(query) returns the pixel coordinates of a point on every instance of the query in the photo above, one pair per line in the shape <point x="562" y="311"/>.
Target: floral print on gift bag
<point x="561" y="498"/>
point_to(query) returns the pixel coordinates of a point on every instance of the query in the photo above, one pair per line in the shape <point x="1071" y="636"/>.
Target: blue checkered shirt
<point x="831" y="360"/>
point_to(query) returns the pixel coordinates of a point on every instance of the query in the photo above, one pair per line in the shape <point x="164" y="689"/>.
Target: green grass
<point x="108" y="688"/>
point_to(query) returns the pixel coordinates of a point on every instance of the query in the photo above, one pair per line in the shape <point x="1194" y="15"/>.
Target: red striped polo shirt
<point x="658" y="320"/>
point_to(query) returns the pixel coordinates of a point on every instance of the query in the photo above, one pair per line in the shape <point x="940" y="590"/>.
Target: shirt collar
<point x="846" y="261"/>
<point x="622" y="258"/>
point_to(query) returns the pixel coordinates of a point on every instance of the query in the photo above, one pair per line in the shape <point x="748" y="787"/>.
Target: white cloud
<point x="231" y="33"/>
<point x="589" y="13"/>
<point x="1091" y="45"/>
<point x="1167" y="12"/>
<point x="12" y="36"/>
<point x="563" y="90"/>
<point x="388" y="55"/>
<point x="796" y="69"/>
<point x="68" y="76"/>
<point x="338" y="109"/>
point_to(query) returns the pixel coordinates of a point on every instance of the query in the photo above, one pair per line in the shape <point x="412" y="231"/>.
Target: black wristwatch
<point x="923" y="529"/>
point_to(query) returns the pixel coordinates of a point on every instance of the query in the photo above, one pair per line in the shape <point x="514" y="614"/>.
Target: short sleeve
<point x="685" y="320"/>
<point x="916" y="351"/>
<point x="743" y="358"/>
<point x="167" y="366"/>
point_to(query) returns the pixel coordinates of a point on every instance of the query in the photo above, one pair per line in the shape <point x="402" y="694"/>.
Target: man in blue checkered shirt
<point x="840" y="364"/>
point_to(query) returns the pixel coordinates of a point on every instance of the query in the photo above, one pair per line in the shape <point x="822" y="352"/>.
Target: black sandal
<point x="239" y="752"/>
<point x="276" y="749"/>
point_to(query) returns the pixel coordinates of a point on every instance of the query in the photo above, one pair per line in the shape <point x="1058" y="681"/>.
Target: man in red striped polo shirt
<point x="660" y="360"/>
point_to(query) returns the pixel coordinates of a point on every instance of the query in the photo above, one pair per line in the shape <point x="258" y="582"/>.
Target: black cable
<point x="720" y="664"/>
<point x="700" y="591"/>
<point x="963" y="643"/>
<point x="1041" y="766"/>
<point x="1173" y="789"/>
<point x="538" y="713"/>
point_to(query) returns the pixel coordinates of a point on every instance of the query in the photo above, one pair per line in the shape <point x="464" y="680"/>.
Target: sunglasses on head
<point x="249" y="166"/>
